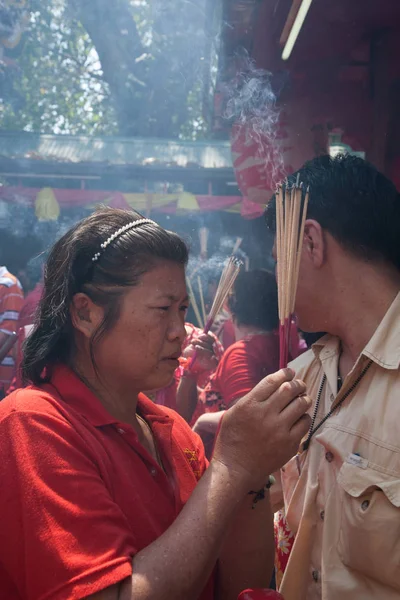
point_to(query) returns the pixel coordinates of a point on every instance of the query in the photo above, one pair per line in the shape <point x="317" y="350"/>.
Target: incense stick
<point x="236" y="247"/>
<point x="228" y="277"/>
<point x="193" y="303"/>
<point x="203" y="308"/>
<point x="290" y="223"/>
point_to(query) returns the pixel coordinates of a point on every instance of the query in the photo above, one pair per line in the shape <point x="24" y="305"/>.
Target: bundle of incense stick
<point x="193" y="303"/>
<point x="291" y="214"/>
<point x="229" y="274"/>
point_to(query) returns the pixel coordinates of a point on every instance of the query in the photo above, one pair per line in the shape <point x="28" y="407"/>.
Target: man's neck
<point x="356" y="310"/>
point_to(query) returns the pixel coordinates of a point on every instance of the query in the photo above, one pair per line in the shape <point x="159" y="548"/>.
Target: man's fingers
<point x="296" y="409"/>
<point x="270" y="384"/>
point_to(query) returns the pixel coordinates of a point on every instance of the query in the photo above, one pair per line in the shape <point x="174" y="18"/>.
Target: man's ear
<point x="314" y="243"/>
<point x="86" y="316"/>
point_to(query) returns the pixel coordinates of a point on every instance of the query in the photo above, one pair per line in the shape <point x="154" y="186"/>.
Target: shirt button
<point x="153" y="471"/>
<point x="322" y="515"/>
<point x="315" y="575"/>
<point x="365" y="505"/>
<point x="329" y="456"/>
<point x="120" y="430"/>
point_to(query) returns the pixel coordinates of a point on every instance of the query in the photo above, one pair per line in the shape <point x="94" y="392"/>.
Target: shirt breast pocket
<point x="369" y="540"/>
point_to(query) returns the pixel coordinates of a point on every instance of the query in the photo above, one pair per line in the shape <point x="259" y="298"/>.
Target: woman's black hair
<point x="70" y="269"/>
<point x="254" y="300"/>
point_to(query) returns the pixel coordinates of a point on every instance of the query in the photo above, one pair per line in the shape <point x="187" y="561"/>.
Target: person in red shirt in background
<point x="209" y="352"/>
<point x="105" y="495"/>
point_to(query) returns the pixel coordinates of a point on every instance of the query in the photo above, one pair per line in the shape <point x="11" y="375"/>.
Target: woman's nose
<point x="176" y="330"/>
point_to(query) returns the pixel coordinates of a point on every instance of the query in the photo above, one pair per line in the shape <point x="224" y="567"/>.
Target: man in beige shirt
<point x="342" y="492"/>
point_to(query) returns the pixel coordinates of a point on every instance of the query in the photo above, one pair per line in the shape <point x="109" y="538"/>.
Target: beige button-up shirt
<point x="343" y="496"/>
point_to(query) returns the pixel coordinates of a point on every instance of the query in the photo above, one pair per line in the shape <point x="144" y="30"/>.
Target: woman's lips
<point x="172" y="360"/>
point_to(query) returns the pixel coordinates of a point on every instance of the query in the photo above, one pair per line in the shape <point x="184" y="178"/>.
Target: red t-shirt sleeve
<point x="235" y="376"/>
<point x="63" y="535"/>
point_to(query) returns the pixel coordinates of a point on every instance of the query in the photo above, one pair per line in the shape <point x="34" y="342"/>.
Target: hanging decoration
<point x="187" y="202"/>
<point x="166" y="203"/>
<point x="46" y="205"/>
<point x="259" y="160"/>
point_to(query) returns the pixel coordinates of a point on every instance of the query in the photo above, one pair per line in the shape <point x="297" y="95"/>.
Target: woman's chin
<point x="160" y="382"/>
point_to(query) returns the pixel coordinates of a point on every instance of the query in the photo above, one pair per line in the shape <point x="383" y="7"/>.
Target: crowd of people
<point x="131" y="471"/>
<point x="20" y="292"/>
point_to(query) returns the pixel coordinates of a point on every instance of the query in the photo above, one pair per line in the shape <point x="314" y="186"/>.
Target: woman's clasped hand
<point x="202" y="347"/>
<point x="263" y="430"/>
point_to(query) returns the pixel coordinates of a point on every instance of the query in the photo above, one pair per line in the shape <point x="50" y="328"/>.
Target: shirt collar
<point x="77" y="395"/>
<point x="384" y="346"/>
<point x="326" y="347"/>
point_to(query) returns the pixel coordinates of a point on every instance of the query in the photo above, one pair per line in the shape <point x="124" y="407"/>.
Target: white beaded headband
<point x="119" y="232"/>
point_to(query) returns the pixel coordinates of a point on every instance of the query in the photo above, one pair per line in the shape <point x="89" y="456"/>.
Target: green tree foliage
<point x="127" y="67"/>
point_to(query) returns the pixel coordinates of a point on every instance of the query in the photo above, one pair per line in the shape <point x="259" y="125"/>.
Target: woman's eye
<point x="184" y="308"/>
<point x="164" y="308"/>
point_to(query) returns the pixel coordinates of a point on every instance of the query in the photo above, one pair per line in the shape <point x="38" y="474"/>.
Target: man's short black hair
<point x="355" y="203"/>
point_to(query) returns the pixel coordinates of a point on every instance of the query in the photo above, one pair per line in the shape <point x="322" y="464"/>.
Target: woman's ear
<point x="86" y="316"/>
<point x="314" y="243"/>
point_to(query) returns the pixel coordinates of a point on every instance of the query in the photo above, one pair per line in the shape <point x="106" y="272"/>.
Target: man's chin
<point x="307" y="324"/>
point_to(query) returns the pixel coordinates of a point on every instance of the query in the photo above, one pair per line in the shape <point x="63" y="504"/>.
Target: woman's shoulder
<point x="35" y="406"/>
<point x="28" y="399"/>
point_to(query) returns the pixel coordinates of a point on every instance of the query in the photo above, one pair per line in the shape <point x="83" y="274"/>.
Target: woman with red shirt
<point x="105" y="495"/>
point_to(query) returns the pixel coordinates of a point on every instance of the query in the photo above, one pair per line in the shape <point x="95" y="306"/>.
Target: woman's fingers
<point x="286" y="393"/>
<point x="206" y="345"/>
<point x="278" y="389"/>
<point x="296" y="409"/>
<point x="301" y="427"/>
